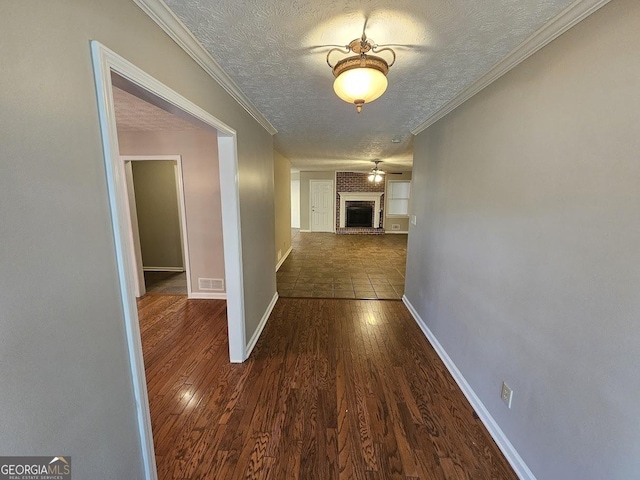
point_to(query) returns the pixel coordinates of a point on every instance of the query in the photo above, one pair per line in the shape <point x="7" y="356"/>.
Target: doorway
<point x="106" y="64"/>
<point x="322" y="205"/>
<point x="158" y="230"/>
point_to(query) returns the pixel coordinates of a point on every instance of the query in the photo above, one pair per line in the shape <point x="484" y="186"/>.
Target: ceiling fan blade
<point x="407" y="46"/>
<point x="322" y="48"/>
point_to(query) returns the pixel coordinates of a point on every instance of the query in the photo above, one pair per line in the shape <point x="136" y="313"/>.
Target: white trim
<point x="261" y="325"/>
<point x="207" y="296"/>
<point x="360" y="196"/>
<point x="304" y="231"/>
<point x="160" y="13"/>
<point x="136" y="271"/>
<point x="509" y="451"/>
<point x="394" y="232"/>
<point x="570" y="16"/>
<point x="232" y="244"/>
<point x="116" y="182"/>
<point x="163" y="269"/>
<point x="283" y="258"/>
<point x="104" y="63"/>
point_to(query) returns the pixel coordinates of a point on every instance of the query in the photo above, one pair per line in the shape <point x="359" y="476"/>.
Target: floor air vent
<point x="216" y="284"/>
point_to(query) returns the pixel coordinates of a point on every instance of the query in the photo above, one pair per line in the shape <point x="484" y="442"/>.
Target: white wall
<point x="295" y="199"/>
<point x="199" y="151"/>
<point x="65" y="379"/>
<point x="525" y="262"/>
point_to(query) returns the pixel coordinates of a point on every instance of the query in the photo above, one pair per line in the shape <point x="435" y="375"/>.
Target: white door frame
<point x="106" y="61"/>
<point x="333" y="201"/>
<point x="136" y="271"/>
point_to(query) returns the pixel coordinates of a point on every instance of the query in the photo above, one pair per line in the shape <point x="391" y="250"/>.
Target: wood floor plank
<point x="334" y="389"/>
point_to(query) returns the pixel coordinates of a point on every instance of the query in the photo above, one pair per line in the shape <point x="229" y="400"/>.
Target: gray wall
<point x="304" y="194"/>
<point x="157" y="210"/>
<point x="198" y="149"/>
<point x="525" y="262"/>
<point x="65" y="376"/>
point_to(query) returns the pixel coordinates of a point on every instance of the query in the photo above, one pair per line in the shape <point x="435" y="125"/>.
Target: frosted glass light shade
<point x="360" y="85"/>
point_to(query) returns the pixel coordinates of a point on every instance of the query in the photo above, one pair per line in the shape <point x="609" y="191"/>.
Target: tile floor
<point x="344" y="266"/>
<point x="174" y="283"/>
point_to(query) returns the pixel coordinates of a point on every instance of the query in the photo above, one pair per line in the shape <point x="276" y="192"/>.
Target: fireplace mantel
<point x="360" y="197"/>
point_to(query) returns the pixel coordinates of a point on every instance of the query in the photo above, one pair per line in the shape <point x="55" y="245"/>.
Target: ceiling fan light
<point x="371" y="177"/>
<point x="378" y="178"/>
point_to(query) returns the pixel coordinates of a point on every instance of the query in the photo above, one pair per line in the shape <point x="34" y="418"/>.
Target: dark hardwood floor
<point x="346" y="389"/>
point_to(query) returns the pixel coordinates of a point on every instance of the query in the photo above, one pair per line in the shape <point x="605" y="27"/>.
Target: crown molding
<point x="160" y="13"/>
<point x="570" y="16"/>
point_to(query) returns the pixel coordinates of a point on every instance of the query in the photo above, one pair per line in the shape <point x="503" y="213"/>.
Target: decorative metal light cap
<point x="360" y="78"/>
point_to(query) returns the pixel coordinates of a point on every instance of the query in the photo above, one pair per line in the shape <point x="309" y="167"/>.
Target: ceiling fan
<point x="376" y="175"/>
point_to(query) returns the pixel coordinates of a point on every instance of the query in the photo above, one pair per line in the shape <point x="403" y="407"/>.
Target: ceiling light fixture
<point x="376" y="174"/>
<point x="361" y="78"/>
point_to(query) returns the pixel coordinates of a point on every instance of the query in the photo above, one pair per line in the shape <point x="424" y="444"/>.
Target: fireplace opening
<point x="359" y="216"/>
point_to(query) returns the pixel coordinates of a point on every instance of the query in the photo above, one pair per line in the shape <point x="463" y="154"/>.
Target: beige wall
<point x="156" y="202"/>
<point x="199" y="151"/>
<point x="65" y="376"/>
<point x="525" y="261"/>
<point x="402" y="221"/>
<point x="305" y="177"/>
<point x="282" y="203"/>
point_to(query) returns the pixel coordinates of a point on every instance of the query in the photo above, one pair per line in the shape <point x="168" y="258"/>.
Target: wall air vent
<point x="216" y="284"/>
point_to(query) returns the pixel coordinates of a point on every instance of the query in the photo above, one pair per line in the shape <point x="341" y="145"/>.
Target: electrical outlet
<point x="414" y="220"/>
<point x="506" y="394"/>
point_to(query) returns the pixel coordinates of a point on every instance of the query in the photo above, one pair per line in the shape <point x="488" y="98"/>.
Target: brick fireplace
<point x="355" y="192"/>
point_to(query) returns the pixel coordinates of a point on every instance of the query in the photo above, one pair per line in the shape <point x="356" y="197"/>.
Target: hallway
<point x="334" y="389"/>
<point x="327" y="265"/>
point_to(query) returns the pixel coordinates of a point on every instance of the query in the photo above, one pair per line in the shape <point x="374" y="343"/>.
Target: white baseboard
<point x="509" y="451"/>
<point x="305" y="231"/>
<point x="387" y="232"/>
<point x="261" y="325"/>
<point x="284" y="257"/>
<point x="208" y="295"/>
<point x="163" y="269"/>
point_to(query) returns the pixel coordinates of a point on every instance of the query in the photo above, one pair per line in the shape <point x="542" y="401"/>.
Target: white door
<point x="322" y="205"/>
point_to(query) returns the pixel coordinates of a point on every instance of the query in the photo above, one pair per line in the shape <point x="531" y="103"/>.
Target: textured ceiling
<point x="273" y="51"/>
<point x="132" y="113"/>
